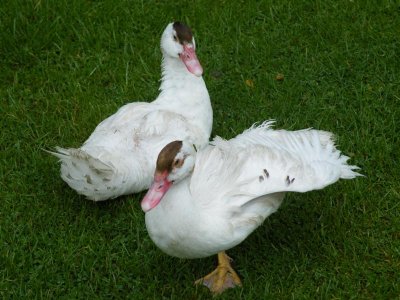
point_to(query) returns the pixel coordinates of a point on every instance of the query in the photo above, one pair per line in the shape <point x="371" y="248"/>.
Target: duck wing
<point x="259" y="164"/>
<point x="119" y="157"/>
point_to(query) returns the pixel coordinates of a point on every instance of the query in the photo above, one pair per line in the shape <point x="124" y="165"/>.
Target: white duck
<point x="120" y="155"/>
<point x="219" y="195"/>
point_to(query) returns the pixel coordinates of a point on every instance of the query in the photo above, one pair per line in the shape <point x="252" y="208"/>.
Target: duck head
<point x="174" y="163"/>
<point x="177" y="41"/>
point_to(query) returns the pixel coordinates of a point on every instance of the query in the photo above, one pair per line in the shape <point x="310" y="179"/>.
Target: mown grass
<point x="66" y="65"/>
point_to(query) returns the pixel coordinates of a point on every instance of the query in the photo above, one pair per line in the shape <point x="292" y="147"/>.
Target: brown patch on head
<point x="183" y="32"/>
<point x="165" y="160"/>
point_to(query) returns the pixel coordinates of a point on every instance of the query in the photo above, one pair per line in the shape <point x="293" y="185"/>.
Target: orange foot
<point x="223" y="277"/>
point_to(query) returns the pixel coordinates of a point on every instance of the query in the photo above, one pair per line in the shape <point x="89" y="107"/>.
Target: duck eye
<point x="178" y="163"/>
<point x="175" y="38"/>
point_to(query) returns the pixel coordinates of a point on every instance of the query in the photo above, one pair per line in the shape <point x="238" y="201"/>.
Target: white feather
<point x="120" y="155"/>
<point x="236" y="184"/>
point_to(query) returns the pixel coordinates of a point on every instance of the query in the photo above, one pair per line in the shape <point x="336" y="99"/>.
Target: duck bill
<point x="189" y="58"/>
<point x="155" y="193"/>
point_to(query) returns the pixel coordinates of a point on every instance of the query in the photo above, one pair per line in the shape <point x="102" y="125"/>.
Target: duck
<point x="205" y="202"/>
<point x="119" y="157"/>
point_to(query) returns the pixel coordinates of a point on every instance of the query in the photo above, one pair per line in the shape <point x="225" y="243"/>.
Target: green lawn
<point x="67" y="65"/>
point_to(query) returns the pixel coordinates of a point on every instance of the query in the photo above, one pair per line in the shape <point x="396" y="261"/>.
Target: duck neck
<point x="176" y="76"/>
<point x="185" y="94"/>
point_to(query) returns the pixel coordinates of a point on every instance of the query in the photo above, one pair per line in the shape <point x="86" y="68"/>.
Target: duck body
<point x="120" y="155"/>
<point x="235" y="185"/>
<point x="183" y="228"/>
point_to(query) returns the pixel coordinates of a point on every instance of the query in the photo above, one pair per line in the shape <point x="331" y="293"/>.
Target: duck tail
<point x="83" y="172"/>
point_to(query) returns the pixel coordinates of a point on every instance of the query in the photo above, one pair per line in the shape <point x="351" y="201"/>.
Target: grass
<point x="66" y="65"/>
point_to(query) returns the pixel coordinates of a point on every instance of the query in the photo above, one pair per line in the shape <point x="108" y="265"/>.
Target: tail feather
<point x="86" y="174"/>
<point x="93" y="163"/>
<point x="348" y="171"/>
